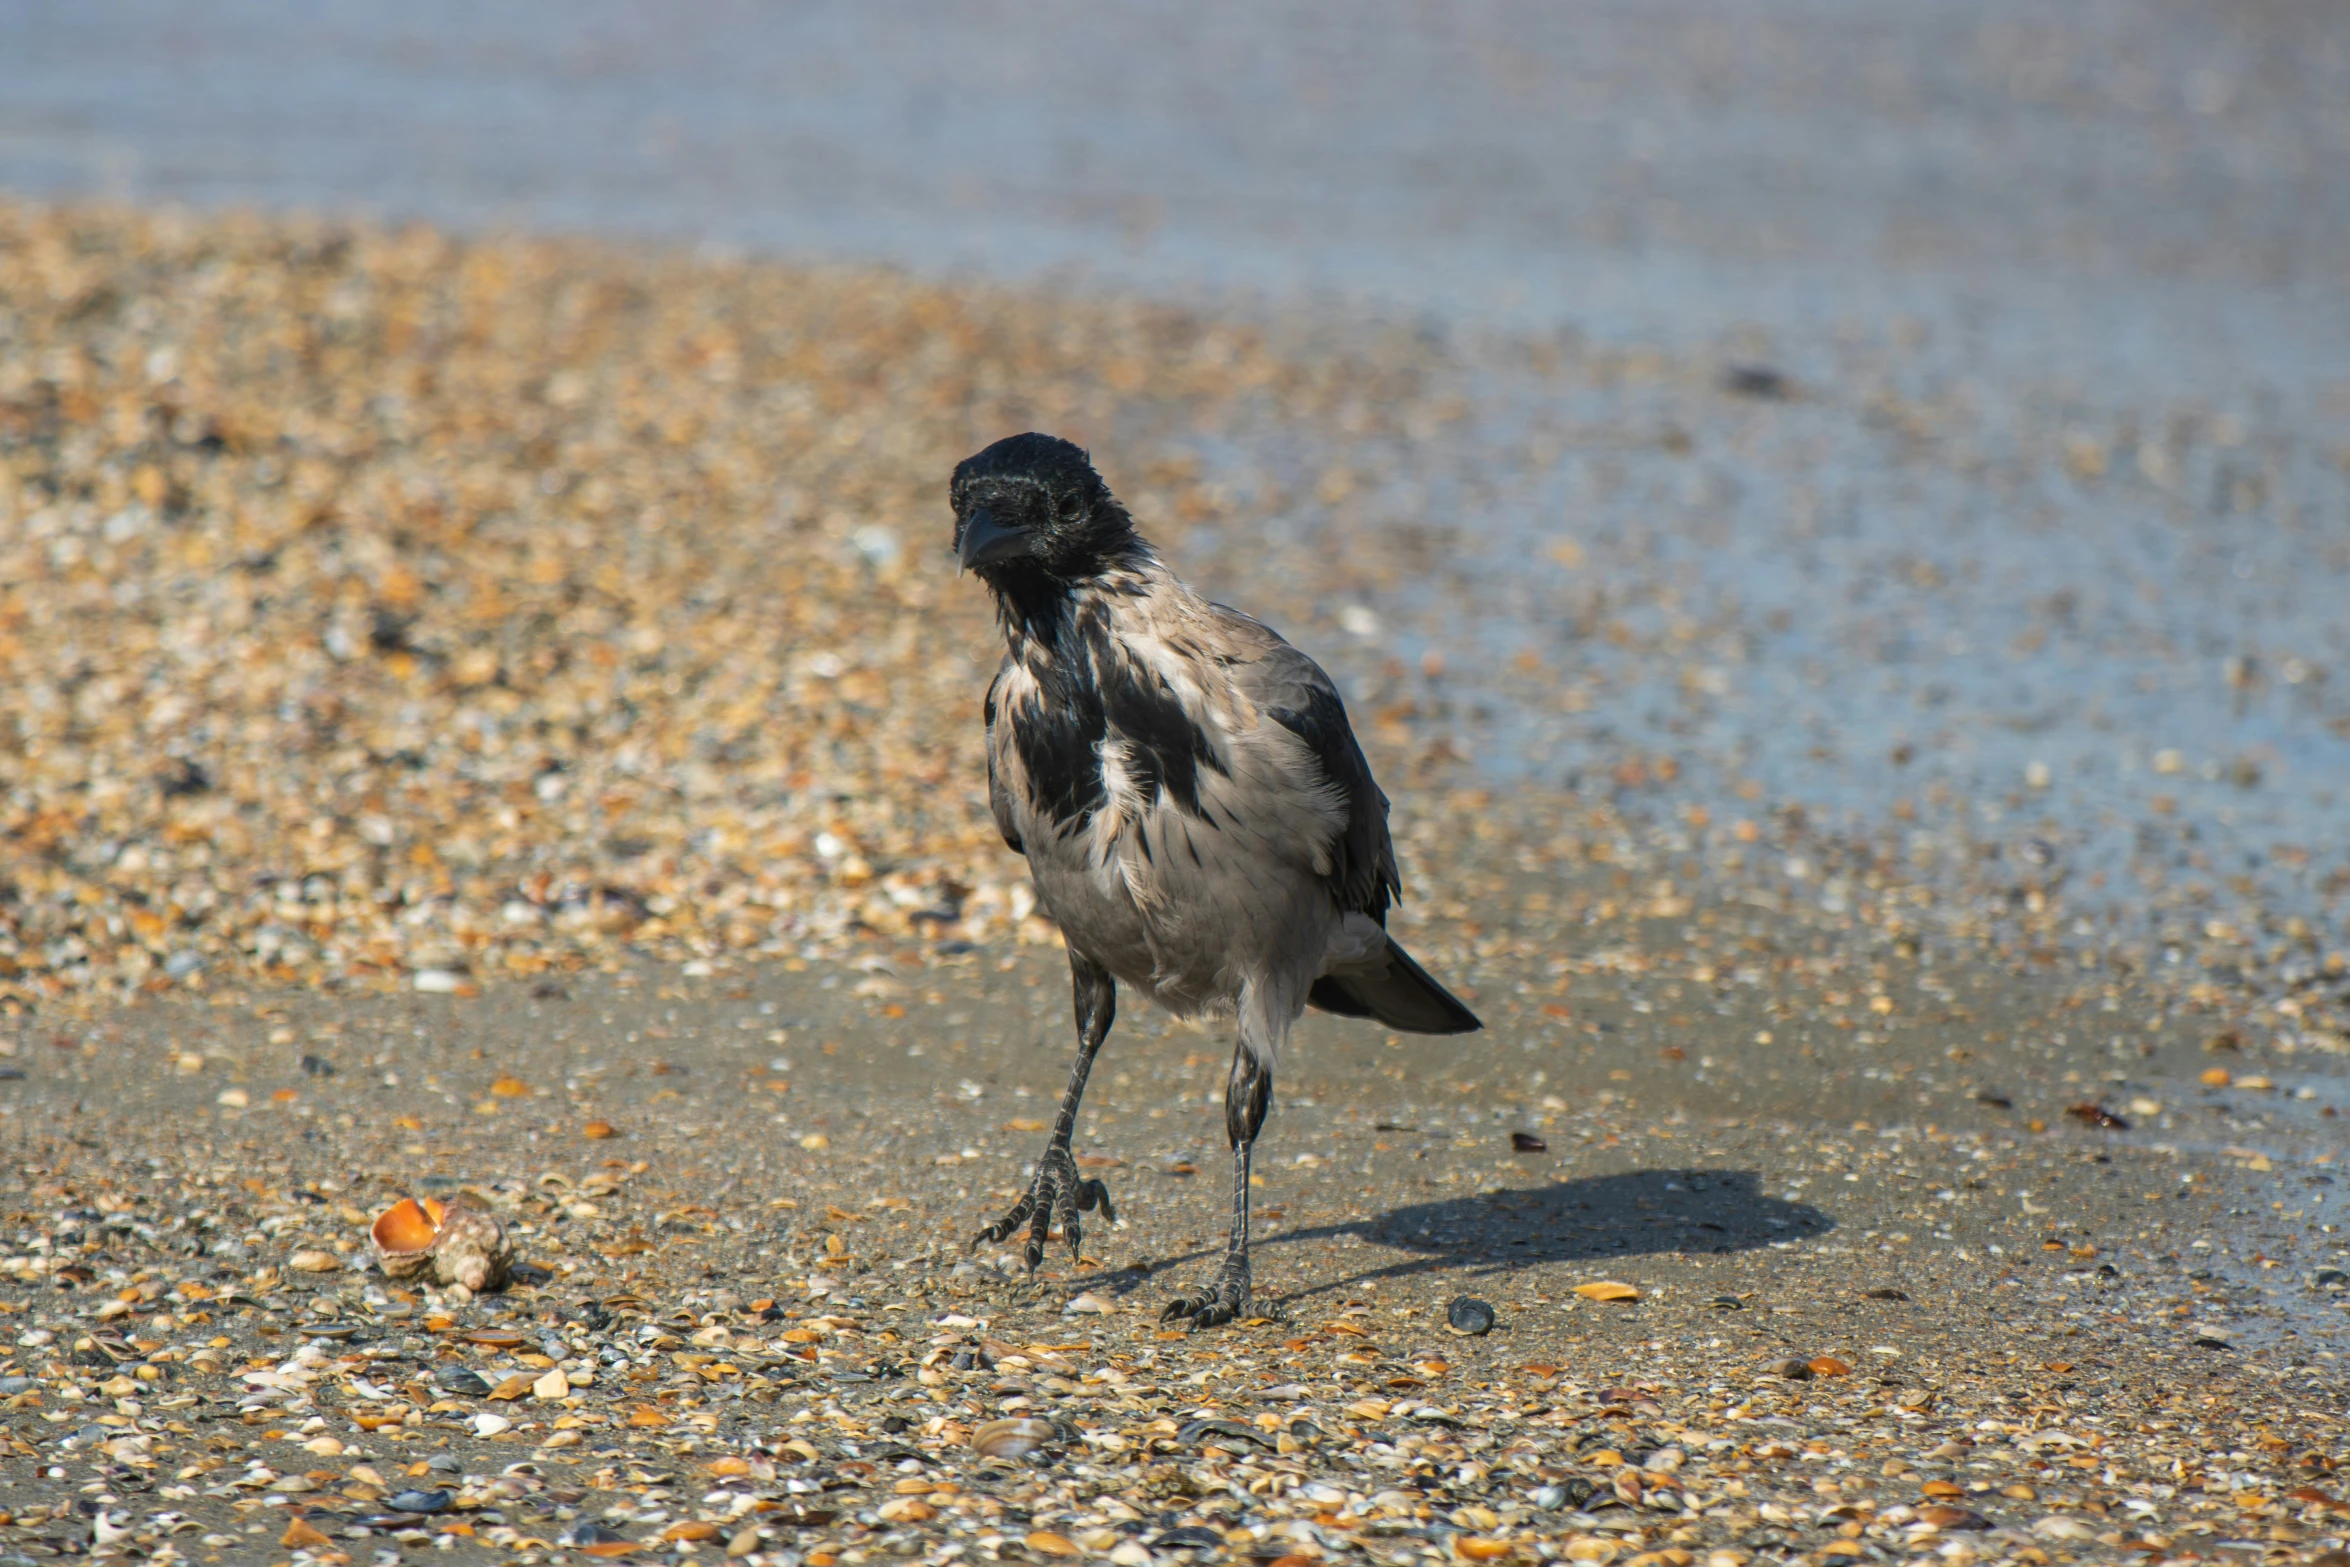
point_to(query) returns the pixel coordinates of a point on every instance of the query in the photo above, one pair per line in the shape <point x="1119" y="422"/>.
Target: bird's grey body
<point x="1196" y="815"/>
<point x="1230" y="901"/>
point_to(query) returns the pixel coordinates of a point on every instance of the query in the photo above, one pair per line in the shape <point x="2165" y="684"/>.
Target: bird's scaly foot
<point x="1058" y="1194"/>
<point x="1223" y="1298"/>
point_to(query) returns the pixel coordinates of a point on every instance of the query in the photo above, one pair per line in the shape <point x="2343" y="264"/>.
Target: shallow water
<point x="2048" y="537"/>
<point x="2096" y="190"/>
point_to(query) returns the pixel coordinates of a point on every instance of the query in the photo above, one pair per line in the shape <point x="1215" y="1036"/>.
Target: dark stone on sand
<point x="1469" y="1316"/>
<point x="1760" y="381"/>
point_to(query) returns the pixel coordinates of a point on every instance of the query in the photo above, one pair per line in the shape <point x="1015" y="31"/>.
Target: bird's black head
<point x="1031" y="514"/>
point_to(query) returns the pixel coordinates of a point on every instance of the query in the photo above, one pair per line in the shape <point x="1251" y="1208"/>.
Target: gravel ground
<point x="497" y="719"/>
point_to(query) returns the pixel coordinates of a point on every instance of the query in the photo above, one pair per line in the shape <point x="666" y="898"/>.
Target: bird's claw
<point x="1057" y="1196"/>
<point x="1224" y="1298"/>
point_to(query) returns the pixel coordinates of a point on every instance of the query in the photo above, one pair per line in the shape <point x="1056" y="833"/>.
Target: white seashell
<point x="1011" y="1438"/>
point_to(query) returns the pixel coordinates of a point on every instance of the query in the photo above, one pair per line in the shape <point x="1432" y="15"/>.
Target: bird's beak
<point x="986" y="541"/>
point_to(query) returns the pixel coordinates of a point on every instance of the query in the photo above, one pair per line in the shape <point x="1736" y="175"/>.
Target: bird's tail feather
<point x="1396" y="991"/>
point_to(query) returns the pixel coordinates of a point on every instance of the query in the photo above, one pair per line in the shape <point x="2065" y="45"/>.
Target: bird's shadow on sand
<point x="1589" y="1218"/>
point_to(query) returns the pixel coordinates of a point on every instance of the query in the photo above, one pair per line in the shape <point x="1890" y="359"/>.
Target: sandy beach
<point x="497" y="720"/>
<point x="1829" y="521"/>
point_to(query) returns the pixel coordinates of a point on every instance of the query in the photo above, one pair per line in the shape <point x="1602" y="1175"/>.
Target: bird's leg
<point x="1057" y="1193"/>
<point x="1248" y="1095"/>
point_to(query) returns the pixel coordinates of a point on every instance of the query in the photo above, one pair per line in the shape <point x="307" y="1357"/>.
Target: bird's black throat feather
<point x="1087" y="692"/>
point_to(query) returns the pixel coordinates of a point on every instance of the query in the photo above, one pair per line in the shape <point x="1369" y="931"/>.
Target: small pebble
<point x="1951" y="1518"/>
<point x="1469" y="1317"/>
<point x="588" y="1532"/>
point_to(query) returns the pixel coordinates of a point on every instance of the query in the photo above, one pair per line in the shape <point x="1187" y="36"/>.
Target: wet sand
<point x="1864" y="1291"/>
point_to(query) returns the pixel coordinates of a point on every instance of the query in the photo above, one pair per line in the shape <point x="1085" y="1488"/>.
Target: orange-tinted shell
<point x="410" y="1225"/>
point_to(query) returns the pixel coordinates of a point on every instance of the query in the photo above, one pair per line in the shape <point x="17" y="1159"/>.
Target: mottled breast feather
<point x="1003" y="791"/>
<point x="1055" y="726"/>
<point x="1084" y="699"/>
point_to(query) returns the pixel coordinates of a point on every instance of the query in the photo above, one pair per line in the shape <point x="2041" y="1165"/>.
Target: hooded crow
<point x="1194" y="810"/>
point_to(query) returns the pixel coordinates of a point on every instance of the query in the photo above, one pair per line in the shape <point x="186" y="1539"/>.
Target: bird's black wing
<point x="1358" y="858"/>
<point x="1292" y="690"/>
